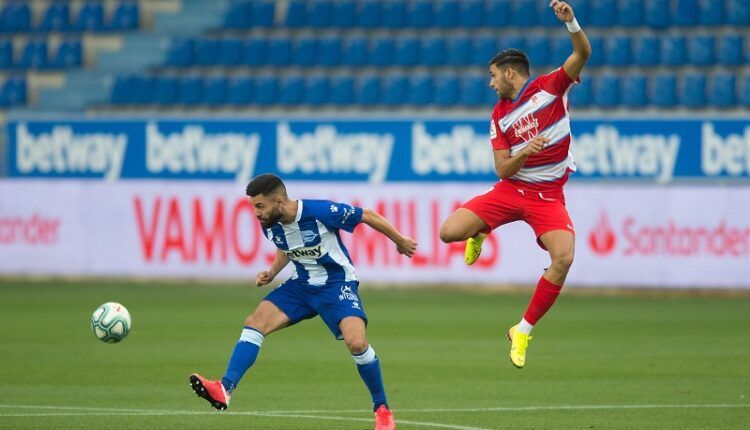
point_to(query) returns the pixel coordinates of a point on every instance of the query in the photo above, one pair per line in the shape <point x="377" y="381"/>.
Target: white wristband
<point x="573" y="26"/>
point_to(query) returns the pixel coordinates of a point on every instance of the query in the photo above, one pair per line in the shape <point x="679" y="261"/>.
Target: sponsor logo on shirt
<point x="305" y="253"/>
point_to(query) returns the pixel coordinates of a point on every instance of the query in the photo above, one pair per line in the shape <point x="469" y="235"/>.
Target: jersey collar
<point x="523" y="88"/>
<point x="299" y="211"/>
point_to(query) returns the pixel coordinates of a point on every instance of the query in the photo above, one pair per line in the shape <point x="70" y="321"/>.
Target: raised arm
<point x="405" y="245"/>
<point x="581" y="46"/>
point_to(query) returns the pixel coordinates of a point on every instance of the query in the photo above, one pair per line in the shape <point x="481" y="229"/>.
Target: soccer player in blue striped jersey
<point x="323" y="282"/>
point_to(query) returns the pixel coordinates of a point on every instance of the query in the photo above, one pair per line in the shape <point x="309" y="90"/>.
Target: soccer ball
<point x="111" y="322"/>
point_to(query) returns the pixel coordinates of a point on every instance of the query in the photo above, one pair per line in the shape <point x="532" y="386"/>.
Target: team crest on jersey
<point x="493" y="129"/>
<point x="308" y="236"/>
<point x="526" y="127"/>
<point x="535" y="101"/>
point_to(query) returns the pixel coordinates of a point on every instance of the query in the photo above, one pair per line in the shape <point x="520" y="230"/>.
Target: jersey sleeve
<point x="340" y="216"/>
<point x="557" y="82"/>
<point x="497" y="138"/>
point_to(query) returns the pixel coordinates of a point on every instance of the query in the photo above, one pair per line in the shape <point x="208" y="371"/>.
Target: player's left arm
<point x="581" y="46"/>
<point x="406" y="245"/>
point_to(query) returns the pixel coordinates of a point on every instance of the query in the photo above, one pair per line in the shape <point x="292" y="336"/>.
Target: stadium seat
<point x="230" y="52"/>
<point x="369" y="14"/>
<point x="317" y="90"/>
<point x="421" y="14"/>
<point x="523" y="13"/>
<point x="738" y="12"/>
<point x="125" y="16"/>
<point x="607" y="90"/>
<point x="305" y="51"/>
<point x="685" y="12"/>
<point x="473" y="91"/>
<point x="320" y="13"/>
<point x="296" y="14"/>
<point x="190" y="90"/>
<point x="291" y="90"/>
<point x="745" y="93"/>
<point x="629" y="13"/>
<point x="497" y="14"/>
<point x="396" y="90"/>
<point x="510" y="41"/>
<point x="122" y="90"/>
<point x="446" y="90"/>
<point x="458" y="51"/>
<point x="597" y="51"/>
<point x="329" y="51"/>
<point x="483" y="49"/>
<point x="723" y="90"/>
<point x="646" y="50"/>
<point x="730" y="49"/>
<point x="673" y="50"/>
<point x="262" y="14"/>
<point x="663" y="92"/>
<point x="255" y="52"/>
<point x="355" y="52"/>
<point x="701" y="50"/>
<point x="215" y="90"/>
<point x="471" y="13"/>
<point x="266" y="90"/>
<point x="580" y="94"/>
<point x="143" y="90"/>
<point x="279" y="51"/>
<point x="711" y="12"/>
<point x="618" y="51"/>
<point x="342" y="90"/>
<point x="165" y="90"/>
<point x="90" y="17"/>
<point x="69" y="54"/>
<point x="240" y="91"/>
<point x="238" y="15"/>
<point x="546" y="17"/>
<point x="407" y="51"/>
<point x="180" y="53"/>
<point x="56" y="17"/>
<point x="13" y="92"/>
<point x="207" y="52"/>
<point x="537" y="48"/>
<point x="560" y="49"/>
<point x="602" y="13"/>
<point x="446" y="13"/>
<point x="6" y="54"/>
<point x="344" y="14"/>
<point x="693" y="90"/>
<point x="381" y="51"/>
<point x="421" y="90"/>
<point x="368" y="90"/>
<point x="635" y="90"/>
<point x="656" y="13"/>
<point x="394" y="14"/>
<point x="433" y="51"/>
<point x="34" y="55"/>
<point x="15" y="17"/>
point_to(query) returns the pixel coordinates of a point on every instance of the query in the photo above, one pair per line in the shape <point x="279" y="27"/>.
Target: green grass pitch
<point x="596" y="362"/>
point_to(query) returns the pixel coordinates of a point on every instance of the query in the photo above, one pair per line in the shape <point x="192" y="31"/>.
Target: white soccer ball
<point x="111" y="322"/>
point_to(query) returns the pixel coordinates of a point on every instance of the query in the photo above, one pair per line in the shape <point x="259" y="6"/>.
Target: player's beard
<point x="271" y="219"/>
<point x="506" y="89"/>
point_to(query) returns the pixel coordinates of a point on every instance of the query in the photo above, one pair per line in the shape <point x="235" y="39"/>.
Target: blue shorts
<point x="333" y="302"/>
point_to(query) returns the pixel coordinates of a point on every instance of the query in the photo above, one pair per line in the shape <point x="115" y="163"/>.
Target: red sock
<point x="544" y="297"/>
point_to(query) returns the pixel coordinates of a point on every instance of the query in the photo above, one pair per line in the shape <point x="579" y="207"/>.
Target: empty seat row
<point x="35" y="55"/>
<point x="17" y="17"/>
<point x="484" y="13"/>
<point x="12" y="92"/>
<point x="315" y="90"/>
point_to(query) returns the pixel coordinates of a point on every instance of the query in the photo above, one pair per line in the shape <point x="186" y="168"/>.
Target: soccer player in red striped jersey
<point x="530" y="134"/>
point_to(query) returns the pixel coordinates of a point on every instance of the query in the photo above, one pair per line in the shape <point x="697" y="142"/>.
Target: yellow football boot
<point x="518" y="344"/>
<point x="473" y="248"/>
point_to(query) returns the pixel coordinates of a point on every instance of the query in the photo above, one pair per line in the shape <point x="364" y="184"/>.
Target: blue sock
<point x="369" y="369"/>
<point x="244" y="355"/>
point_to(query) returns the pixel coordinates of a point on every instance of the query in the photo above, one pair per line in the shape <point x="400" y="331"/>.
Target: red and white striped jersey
<point x="541" y="108"/>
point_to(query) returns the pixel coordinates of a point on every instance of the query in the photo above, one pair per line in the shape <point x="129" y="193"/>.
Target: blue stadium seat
<point x="6" y="54"/>
<point x="723" y="90"/>
<point x="421" y="14"/>
<point x="433" y="51"/>
<point x="407" y="51"/>
<point x="355" y="52"/>
<point x="180" y="53"/>
<point x="730" y="49"/>
<point x="580" y="94"/>
<point x="240" y="91"/>
<point x="446" y="14"/>
<point x="266" y="90"/>
<point x="618" y="51"/>
<point x="344" y="13"/>
<point x="657" y="14"/>
<point x="279" y="51"/>
<point x="711" y="12"/>
<point x="255" y="52"/>
<point x="471" y="14"/>
<point x="207" y="52"/>
<point x="701" y="50"/>
<point x="560" y="49"/>
<point x="231" y="52"/>
<point x="69" y="54"/>
<point x="90" y="17"/>
<point x="484" y="48"/>
<point x="238" y="15"/>
<point x="738" y="12"/>
<point x="537" y="48"/>
<point x="629" y="13"/>
<point x="546" y="17"/>
<point x="291" y="90"/>
<point x="15" y="17"/>
<point x="396" y="90"/>
<point x="473" y="90"/>
<point x="673" y="50"/>
<point x="143" y="90"/>
<point x="446" y="90"/>
<point x="523" y="13"/>
<point x="329" y="51"/>
<point x="646" y="50"/>
<point x="320" y="13"/>
<point x="262" y="14"/>
<point x="381" y="51"/>
<point x="125" y="16"/>
<point x="296" y="14"/>
<point x="34" y="55"/>
<point x="190" y="90"/>
<point x="458" y="51"/>
<point x="55" y="18"/>
<point x="122" y="90"/>
<point x="693" y="90"/>
<point x="597" y="51"/>
<point x="394" y="14"/>
<point x="370" y="14"/>
<point x="497" y="14"/>
<point x="215" y="90"/>
<point x="511" y="41"/>
<point x="745" y="93"/>
<point x="13" y="92"/>
<point x="305" y="51"/>
<point x="165" y="90"/>
<point x="664" y="90"/>
<point x="607" y="90"/>
<point x="635" y="90"/>
<point x="685" y="12"/>
<point x="602" y="13"/>
<point x="342" y="90"/>
<point x="317" y="90"/>
<point x="421" y="90"/>
<point x="368" y="91"/>
<point x="582" y="9"/>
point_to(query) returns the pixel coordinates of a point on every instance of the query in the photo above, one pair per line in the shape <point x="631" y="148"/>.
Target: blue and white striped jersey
<point x="313" y="244"/>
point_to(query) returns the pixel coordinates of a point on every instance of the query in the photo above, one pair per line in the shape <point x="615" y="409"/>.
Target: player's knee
<point x="449" y="234"/>
<point x="563" y="261"/>
<point x="356" y="345"/>
<point x="256" y="323"/>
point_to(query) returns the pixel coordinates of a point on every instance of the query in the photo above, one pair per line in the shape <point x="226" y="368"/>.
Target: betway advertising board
<point x="374" y="151"/>
<point x="676" y="236"/>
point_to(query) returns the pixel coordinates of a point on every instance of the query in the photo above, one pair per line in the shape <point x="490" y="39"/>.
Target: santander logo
<point x="602" y="237"/>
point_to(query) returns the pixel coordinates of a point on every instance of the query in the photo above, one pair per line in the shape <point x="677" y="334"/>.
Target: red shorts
<point x="506" y="203"/>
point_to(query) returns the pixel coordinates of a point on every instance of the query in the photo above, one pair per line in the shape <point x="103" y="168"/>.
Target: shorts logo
<point x="355" y="305"/>
<point x="308" y="236"/>
<point x="348" y="294"/>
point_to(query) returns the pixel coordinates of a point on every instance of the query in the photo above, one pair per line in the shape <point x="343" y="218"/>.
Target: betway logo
<point x="607" y="153"/>
<point x="730" y="154"/>
<point x="62" y="151"/>
<point x="309" y="252"/>
<point x="192" y="150"/>
<point x="325" y="150"/>
<point x="459" y="152"/>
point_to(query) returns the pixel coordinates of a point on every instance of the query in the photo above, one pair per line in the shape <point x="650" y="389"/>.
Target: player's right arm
<point x="507" y="166"/>
<point x="581" y="46"/>
<point x="263" y="278"/>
